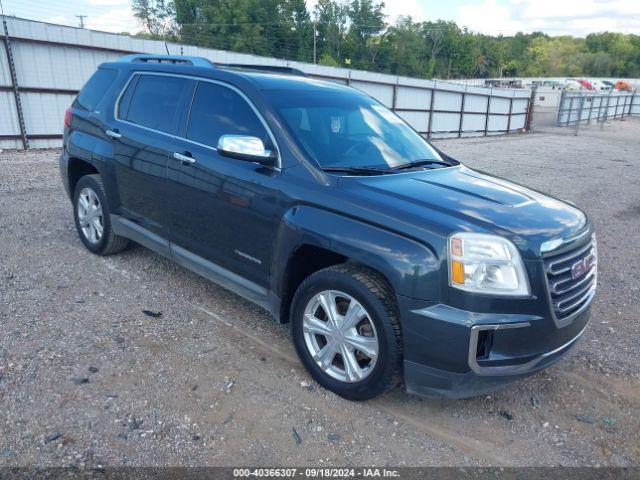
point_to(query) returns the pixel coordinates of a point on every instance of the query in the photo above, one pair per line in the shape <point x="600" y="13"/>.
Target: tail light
<point x="67" y="117"/>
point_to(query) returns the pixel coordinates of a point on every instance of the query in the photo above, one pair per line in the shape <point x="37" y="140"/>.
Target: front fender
<point x="411" y="268"/>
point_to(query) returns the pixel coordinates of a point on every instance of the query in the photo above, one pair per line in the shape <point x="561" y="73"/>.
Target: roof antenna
<point x="166" y="47"/>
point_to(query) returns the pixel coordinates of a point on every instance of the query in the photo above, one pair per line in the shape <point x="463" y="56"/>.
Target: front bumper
<point x="454" y="353"/>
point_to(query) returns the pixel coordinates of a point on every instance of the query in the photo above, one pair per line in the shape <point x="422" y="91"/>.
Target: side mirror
<point x="244" y="147"/>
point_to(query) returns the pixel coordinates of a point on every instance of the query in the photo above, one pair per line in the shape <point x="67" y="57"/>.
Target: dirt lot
<point x="87" y="378"/>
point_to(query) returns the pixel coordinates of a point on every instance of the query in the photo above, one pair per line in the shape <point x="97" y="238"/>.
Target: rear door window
<point x="94" y="89"/>
<point x="217" y="110"/>
<point x="156" y="102"/>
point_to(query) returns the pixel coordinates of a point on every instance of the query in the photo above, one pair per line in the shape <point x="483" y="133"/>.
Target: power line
<point x="290" y="24"/>
<point x="81" y="17"/>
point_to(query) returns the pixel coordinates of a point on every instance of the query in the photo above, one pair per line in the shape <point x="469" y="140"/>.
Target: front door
<point x="221" y="209"/>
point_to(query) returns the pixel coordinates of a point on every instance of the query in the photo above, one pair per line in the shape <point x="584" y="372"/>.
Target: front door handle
<point x="113" y="134"/>
<point x="186" y="159"/>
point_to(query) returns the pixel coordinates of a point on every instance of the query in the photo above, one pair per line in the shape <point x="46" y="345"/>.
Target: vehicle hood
<point x="458" y="198"/>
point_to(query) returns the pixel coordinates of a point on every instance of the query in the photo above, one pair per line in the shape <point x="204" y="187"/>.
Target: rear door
<point x="149" y="113"/>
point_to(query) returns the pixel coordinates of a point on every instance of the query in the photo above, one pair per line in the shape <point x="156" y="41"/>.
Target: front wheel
<point x="346" y="331"/>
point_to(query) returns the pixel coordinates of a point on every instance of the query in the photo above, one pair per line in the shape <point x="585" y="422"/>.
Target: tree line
<point x="356" y="34"/>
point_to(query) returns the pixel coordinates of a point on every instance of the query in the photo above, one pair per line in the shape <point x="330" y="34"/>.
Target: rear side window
<point x="94" y="89"/>
<point x="217" y="111"/>
<point x="155" y="101"/>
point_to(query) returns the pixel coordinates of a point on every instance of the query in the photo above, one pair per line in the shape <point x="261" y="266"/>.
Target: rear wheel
<point x="91" y="213"/>
<point x="346" y="331"/>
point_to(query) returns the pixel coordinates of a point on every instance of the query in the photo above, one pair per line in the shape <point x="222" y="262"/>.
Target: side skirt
<point x="209" y="270"/>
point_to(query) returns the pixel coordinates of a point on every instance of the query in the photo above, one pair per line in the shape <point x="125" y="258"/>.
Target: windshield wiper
<point x="357" y="170"/>
<point x="420" y="163"/>
<point x="383" y="171"/>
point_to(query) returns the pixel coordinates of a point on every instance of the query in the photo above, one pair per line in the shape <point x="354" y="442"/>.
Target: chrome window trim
<point x="116" y="108"/>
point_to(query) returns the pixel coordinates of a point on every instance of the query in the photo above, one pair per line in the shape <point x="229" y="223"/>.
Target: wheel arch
<point x="78" y="168"/>
<point x="311" y="238"/>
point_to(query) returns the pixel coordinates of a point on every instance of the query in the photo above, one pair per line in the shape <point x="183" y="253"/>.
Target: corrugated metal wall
<point x="52" y="62"/>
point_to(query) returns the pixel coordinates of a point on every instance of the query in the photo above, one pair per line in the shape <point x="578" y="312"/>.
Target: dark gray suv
<point x="391" y="260"/>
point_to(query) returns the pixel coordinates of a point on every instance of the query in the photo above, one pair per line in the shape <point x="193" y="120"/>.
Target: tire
<point x="340" y="286"/>
<point x="91" y="188"/>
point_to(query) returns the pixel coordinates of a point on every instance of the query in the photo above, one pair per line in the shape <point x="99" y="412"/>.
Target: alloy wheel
<point x="340" y="336"/>
<point x="90" y="215"/>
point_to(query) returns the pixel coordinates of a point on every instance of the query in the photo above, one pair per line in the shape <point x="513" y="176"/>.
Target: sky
<point x="494" y="17"/>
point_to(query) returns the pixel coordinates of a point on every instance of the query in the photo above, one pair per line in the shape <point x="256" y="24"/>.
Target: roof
<point x="280" y="78"/>
<point x="279" y="81"/>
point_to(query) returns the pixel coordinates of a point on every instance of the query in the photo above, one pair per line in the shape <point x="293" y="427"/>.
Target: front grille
<point x="571" y="296"/>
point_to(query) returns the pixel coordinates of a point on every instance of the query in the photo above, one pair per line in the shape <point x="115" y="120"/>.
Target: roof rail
<point x="265" y="68"/>
<point x="203" y="62"/>
<point x="174" y="59"/>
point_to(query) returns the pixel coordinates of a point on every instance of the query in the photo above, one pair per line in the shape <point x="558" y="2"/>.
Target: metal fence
<point x="42" y="67"/>
<point x="577" y="108"/>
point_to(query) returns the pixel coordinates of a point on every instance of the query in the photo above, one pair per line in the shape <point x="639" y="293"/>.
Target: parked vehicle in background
<point x="503" y="83"/>
<point x="623" y="86"/>
<point x="390" y="259"/>
<point x="554" y="84"/>
<point x="585" y="84"/>
<point x="572" y="84"/>
<point x="600" y="86"/>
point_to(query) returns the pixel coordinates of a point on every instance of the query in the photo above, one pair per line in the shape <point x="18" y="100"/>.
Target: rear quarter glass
<point x="95" y="89"/>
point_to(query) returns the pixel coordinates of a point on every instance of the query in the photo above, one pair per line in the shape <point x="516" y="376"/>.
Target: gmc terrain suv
<point x="390" y="260"/>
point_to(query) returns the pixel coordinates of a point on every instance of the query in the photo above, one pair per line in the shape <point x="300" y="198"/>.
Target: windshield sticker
<point x="335" y="124"/>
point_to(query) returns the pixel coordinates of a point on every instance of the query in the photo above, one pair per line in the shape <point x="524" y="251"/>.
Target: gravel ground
<point x="87" y="378"/>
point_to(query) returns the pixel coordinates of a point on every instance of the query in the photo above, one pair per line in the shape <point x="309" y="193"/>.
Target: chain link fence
<point x="584" y="108"/>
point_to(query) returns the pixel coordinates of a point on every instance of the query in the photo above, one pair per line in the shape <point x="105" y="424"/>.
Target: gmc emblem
<point x="581" y="267"/>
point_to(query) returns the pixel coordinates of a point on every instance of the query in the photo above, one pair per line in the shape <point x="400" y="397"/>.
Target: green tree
<point x="405" y="51"/>
<point x="366" y="30"/>
<point x="327" y="60"/>
<point x="157" y="16"/>
<point x="355" y="33"/>
<point x="331" y="19"/>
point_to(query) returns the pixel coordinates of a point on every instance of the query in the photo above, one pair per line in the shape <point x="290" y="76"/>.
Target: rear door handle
<point x="186" y="159"/>
<point x="113" y="134"/>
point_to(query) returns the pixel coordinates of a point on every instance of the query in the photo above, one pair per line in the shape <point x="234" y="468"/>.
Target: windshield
<point x="350" y="130"/>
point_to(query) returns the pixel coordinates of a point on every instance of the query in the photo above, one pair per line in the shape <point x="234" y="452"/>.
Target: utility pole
<point x="81" y="17"/>
<point x="315" y="60"/>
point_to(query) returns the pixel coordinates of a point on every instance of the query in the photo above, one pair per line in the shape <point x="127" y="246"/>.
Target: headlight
<point x="486" y="264"/>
